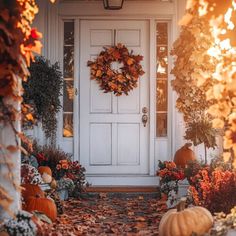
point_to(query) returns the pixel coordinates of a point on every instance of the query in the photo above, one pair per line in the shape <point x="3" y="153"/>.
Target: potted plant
<point x="170" y="175"/>
<point x="30" y="175"/>
<point x="64" y="187"/>
<point x="73" y="171"/>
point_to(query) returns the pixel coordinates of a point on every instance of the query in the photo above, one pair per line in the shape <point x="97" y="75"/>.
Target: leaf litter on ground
<point x="105" y="215"/>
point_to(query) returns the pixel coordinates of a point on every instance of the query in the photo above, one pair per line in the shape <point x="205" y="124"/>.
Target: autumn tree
<point x="222" y="22"/>
<point x="193" y="76"/>
<point x="207" y="66"/>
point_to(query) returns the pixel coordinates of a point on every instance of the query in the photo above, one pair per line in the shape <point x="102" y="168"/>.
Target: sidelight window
<point x="161" y="79"/>
<point x="68" y="73"/>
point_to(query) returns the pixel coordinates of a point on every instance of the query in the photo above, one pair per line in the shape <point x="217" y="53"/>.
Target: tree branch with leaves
<point x="214" y="60"/>
<point x="193" y="77"/>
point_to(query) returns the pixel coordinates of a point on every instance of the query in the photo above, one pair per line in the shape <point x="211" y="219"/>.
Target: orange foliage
<point x="206" y="62"/>
<point x="18" y="43"/>
<point x="214" y="189"/>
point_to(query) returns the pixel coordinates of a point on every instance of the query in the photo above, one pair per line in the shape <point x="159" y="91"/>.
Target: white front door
<point x="113" y="139"/>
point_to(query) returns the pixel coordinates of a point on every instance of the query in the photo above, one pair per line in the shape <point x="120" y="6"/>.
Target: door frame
<point x="172" y="20"/>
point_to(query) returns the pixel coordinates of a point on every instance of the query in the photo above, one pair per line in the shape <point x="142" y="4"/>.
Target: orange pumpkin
<point x="44" y="205"/>
<point x="184" y="155"/>
<point x="45" y="169"/>
<point x="46" y="174"/>
<point x="30" y="190"/>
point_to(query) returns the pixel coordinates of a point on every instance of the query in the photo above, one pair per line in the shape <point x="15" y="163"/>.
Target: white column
<point x="7" y="138"/>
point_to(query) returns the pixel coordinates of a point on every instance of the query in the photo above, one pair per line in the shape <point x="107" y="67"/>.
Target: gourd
<point x="30" y="190"/>
<point x="44" y="205"/>
<point x="184" y="155"/>
<point x="53" y="184"/>
<point x="46" y="174"/>
<point x="185" y="222"/>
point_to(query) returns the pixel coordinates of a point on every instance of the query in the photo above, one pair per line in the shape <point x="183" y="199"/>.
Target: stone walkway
<point x="111" y="215"/>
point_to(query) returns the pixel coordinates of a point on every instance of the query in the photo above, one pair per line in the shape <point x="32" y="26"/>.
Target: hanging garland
<point x="119" y="81"/>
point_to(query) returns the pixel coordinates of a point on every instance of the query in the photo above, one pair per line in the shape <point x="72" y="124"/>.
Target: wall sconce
<point x="113" y="4"/>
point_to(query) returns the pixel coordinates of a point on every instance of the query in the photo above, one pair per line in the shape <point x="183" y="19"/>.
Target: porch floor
<point x="108" y="214"/>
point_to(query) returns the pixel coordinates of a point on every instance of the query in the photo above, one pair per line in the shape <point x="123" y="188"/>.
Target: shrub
<point x="214" y="189"/>
<point x="48" y="155"/>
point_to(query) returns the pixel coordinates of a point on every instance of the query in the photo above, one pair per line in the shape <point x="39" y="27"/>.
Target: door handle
<point x="76" y="91"/>
<point x="145" y="116"/>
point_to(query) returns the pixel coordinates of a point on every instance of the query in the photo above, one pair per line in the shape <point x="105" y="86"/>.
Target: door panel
<point x="129" y="37"/>
<point x="128" y="152"/>
<point x="101" y="37"/>
<point x="129" y="104"/>
<point x="100" y="144"/>
<point x="99" y="101"/>
<point x="113" y="139"/>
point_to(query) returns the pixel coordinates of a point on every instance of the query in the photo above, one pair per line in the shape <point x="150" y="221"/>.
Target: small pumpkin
<point x="46" y="174"/>
<point x="184" y="155"/>
<point x="185" y="222"/>
<point x="29" y="190"/>
<point x="44" y="205"/>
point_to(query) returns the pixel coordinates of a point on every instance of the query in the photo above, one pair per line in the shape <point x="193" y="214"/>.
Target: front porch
<point x="127" y="124"/>
<point x="105" y="132"/>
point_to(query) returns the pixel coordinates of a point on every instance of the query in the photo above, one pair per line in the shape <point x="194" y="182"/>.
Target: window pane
<point x="162" y="33"/>
<point x="68" y="96"/>
<point x="161" y="125"/>
<point x="161" y="102"/>
<point x="68" y="125"/>
<point x="68" y="72"/>
<point x="69" y="33"/>
<point x="68" y="61"/>
<point x="162" y="62"/>
<point x="162" y="79"/>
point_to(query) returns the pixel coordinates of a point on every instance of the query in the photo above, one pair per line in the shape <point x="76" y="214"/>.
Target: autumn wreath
<point x="117" y="81"/>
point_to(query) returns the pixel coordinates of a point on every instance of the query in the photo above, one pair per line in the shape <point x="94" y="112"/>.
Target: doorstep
<point x="122" y="192"/>
<point x="126" y="189"/>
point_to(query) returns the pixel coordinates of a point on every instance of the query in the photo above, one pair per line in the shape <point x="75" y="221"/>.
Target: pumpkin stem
<point x="187" y="145"/>
<point x="181" y="204"/>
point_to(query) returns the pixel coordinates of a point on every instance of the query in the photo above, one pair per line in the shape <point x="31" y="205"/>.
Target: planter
<point x="63" y="194"/>
<point x="174" y="197"/>
<point x="45" y="187"/>
<point x="183" y="188"/>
